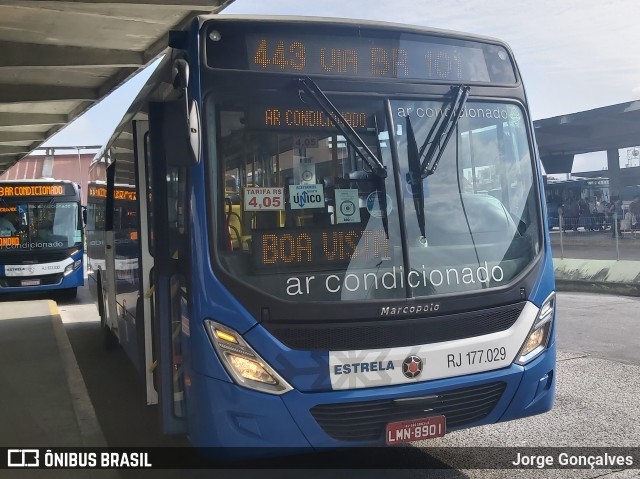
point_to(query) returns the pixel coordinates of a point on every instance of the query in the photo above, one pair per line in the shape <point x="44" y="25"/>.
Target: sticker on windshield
<point x="306" y="196"/>
<point x="347" y="208"/>
<point x="379" y="204"/>
<point x="305" y="171"/>
<point x="263" y="199"/>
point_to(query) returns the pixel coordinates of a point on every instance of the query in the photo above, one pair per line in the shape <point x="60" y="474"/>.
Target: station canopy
<point x="59" y="57"/>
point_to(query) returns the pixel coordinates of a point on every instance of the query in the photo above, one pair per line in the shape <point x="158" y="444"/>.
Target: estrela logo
<point x="412" y="366"/>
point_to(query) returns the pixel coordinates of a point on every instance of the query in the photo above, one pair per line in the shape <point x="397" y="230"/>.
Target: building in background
<point x="63" y="163"/>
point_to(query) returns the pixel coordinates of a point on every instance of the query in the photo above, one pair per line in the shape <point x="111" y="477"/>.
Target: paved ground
<point x="43" y="402"/>
<point x="600" y="326"/>
<point x="597" y="391"/>
<point x="594" y="245"/>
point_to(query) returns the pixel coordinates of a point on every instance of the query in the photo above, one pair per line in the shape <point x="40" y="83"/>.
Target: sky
<point x="574" y="55"/>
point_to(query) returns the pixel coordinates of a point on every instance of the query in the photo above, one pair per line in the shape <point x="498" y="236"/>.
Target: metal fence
<point x="596" y="237"/>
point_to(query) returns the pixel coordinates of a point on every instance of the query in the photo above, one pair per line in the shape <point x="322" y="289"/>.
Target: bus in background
<point x="342" y="235"/>
<point x="41" y="237"/>
<point x="560" y="192"/>
<point x="628" y="193"/>
<point x="124" y="220"/>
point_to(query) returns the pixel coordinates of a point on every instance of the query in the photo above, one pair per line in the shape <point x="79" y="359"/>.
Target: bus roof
<point x="409" y="28"/>
<point x="38" y="180"/>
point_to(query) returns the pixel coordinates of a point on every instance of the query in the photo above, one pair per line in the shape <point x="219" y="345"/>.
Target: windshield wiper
<point x="415" y="179"/>
<point x="343" y="126"/>
<point x="437" y="139"/>
<point x="441" y="131"/>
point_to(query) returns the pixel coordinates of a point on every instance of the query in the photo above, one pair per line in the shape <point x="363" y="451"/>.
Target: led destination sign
<point x="355" y="51"/>
<point x="98" y="191"/>
<point x="275" y="117"/>
<point x="288" y="115"/>
<point x="36" y="190"/>
<point x="9" y="241"/>
<point x="127" y="195"/>
<point x="317" y="248"/>
<point x="118" y="194"/>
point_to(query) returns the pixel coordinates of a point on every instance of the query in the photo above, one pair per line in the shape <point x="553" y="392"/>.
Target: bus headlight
<point x="242" y="363"/>
<point x="538" y="337"/>
<point x="73" y="266"/>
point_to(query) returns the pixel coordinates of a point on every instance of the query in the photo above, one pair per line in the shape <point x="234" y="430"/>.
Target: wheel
<point x="100" y="296"/>
<point x="109" y="339"/>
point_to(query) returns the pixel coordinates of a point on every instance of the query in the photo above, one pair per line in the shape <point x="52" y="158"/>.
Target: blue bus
<point x="41" y="237"/>
<point x="341" y="235"/>
<point x="559" y="193"/>
<point x="123" y="259"/>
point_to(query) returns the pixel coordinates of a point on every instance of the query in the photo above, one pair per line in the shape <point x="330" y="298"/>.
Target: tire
<point x="100" y="297"/>
<point x="109" y="340"/>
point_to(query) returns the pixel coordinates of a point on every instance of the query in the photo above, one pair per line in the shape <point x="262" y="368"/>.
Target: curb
<point x="599" y="287"/>
<point x="90" y="431"/>
<point x="607" y="241"/>
<point x="598" y="276"/>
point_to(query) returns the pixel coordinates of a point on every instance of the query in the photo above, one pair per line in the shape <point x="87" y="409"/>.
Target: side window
<point x="108" y="210"/>
<point x="125" y="207"/>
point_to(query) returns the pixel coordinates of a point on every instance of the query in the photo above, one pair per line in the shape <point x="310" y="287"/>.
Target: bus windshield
<point x="308" y="219"/>
<point x="52" y="224"/>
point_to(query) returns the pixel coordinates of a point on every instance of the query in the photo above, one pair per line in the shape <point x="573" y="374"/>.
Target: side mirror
<point x="181" y="122"/>
<point x="180" y="73"/>
<point x="181" y="133"/>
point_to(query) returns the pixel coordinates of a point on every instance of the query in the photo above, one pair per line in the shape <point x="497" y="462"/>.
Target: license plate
<point x="30" y="282"/>
<point x="415" y="430"/>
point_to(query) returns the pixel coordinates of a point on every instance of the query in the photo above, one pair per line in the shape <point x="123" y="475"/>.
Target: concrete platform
<point x="598" y="276"/>
<point x="43" y="400"/>
<point x="594" y="262"/>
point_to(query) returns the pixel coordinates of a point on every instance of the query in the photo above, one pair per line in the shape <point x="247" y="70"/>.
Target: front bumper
<point x="222" y="414"/>
<point x="55" y="282"/>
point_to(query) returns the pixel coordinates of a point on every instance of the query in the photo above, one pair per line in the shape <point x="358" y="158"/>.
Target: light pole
<point x="80" y="168"/>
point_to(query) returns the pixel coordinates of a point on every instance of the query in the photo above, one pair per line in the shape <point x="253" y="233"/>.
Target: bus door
<point x="109" y="277"/>
<point x="144" y="308"/>
<point x="168" y="230"/>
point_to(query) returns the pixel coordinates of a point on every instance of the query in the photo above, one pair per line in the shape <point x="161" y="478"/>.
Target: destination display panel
<point x="118" y="193"/>
<point x="317" y="248"/>
<point x="35" y="189"/>
<point x="286" y="116"/>
<point x="351" y="51"/>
